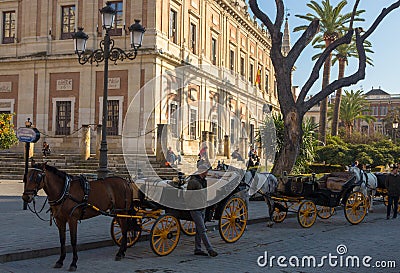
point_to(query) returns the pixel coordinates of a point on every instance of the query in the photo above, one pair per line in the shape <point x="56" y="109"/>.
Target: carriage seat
<point x="335" y="181"/>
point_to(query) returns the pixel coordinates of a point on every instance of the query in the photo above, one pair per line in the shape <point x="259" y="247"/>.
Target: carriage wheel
<point x="307" y="214"/>
<point x="116" y="234"/>
<point x="164" y="235"/>
<point x="355" y="208"/>
<point x="147" y="224"/>
<point x="188" y="227"/>
<point x="233" y="220"/>
<point x="325" y="212"/>
<point x="280" y="215"/>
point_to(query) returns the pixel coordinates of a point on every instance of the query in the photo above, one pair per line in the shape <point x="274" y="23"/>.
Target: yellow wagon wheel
<point x="307" y="214"/>
<point x="278" y="214"/>
<point x="116" y="233"/>
<point x="325" y="212"/>
<point x="147" y="224"/>
<point x="355" y="207"/>
<point x="233" y="220"/>
<point x="164" y="235"/>
<point x="188" y="227"/>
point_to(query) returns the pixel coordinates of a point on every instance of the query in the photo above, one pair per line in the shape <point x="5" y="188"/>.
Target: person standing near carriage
<point x="392" y="184"/>
<point x="197" y="181"/>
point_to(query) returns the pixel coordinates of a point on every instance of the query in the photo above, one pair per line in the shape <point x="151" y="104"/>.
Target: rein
<point x="34" y="210"/>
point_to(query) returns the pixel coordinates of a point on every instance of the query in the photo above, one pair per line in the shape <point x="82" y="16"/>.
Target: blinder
<point x="38" y="179"/>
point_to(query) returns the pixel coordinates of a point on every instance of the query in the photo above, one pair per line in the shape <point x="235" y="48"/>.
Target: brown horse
<point x="70" y="202"/>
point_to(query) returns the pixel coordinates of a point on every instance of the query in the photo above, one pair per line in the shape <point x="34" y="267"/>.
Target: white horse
<point x="369" y="184"/>
<point x="264" y="184"/>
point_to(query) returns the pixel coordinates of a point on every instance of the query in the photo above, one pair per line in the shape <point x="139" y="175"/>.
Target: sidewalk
<point x="25" y="236"/>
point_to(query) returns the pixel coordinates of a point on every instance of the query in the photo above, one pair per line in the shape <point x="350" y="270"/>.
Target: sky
<point x="385" y="44"/>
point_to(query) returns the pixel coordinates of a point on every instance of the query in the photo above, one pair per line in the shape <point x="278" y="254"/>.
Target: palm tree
<point x="354" y="106"/>
<point x="341" y="55"/>
<point x="332" y="23"/>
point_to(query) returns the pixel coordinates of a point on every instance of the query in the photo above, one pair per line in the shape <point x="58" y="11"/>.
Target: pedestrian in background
<point x="392" y="184"/>
<point x="45" y="149"/>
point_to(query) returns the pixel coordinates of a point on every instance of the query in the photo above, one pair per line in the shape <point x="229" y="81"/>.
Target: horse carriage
<point x="164" y="223"/>
<point x="72" y="199"/>
<point x="309" y="198"/>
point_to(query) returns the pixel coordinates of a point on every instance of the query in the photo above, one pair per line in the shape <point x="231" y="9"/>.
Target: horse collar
<point x="64" y="194"/>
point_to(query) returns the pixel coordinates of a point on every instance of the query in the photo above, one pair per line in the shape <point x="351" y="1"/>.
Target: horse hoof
<point x="118" y="258"/>
<point x="72" y="268"/>
<point x="58" y="265"/>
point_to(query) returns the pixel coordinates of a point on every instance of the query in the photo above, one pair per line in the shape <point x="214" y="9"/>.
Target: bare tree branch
<point x="302" y="42"/>
<point x="379" y="19"/>
<point x="345" y="39"/>
<point x="262" y="16"/>
<point x="343" y="82"/>
<point x="280" y="14"/>
<point x="354" y="13"/>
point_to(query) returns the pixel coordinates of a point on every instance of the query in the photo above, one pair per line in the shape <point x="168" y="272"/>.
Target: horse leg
<point x="73" y="227"/>
<point x="61" y="232"/>
<point x="122" y="248"/>
<point x="271" y="209"/>
<point x="371" y="198"/>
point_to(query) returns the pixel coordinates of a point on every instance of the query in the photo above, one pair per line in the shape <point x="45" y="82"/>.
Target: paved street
<point x="375" y="237"/>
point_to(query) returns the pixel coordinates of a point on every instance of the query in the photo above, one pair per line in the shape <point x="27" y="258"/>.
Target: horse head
<point x="262" y="182"/>
<point x="34" y="181"/>
<point x="356" y="171"/>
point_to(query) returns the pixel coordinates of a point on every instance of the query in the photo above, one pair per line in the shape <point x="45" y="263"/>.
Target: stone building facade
<point x="41" y="79"/>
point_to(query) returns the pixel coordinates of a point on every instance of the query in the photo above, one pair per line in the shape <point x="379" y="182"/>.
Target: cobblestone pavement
<point x="375" y="237"/>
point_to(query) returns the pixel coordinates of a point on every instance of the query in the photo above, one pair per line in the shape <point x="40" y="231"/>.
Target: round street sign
<point x="25" y="134"/>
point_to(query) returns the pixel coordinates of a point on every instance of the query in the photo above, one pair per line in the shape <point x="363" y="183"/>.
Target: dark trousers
<point x="392" y="201"/>
<point x="201" y="235"/>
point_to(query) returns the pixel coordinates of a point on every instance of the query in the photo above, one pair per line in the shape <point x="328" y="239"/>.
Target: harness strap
<point x="65" y="193"/>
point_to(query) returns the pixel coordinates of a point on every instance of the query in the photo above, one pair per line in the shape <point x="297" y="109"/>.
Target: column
<point x="162" y="141"/>
<point x="85" y="142"/>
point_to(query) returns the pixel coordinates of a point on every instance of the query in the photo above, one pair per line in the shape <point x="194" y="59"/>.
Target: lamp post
<point x="28" y="124"/>
<point x="107" y="51"/>
<point x="395" y="125"/>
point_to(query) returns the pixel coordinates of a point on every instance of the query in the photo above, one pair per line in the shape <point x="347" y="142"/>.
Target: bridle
<point x="40" y="174"/>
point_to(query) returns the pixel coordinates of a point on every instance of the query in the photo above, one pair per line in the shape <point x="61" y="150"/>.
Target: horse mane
<point x="52" y="169"/>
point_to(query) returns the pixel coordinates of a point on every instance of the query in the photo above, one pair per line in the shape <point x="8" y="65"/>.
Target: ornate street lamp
<point x="107" y="51"/>
<point x="395" y="125"/>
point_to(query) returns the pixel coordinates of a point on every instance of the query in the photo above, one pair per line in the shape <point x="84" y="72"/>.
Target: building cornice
<point x="242" y="16"/>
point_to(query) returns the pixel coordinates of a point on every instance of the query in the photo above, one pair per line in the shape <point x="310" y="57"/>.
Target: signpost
<point x="27" y="134"/>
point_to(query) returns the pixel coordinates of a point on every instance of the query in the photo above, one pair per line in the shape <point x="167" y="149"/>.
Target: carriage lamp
<point x="395" y="126"/>
<point x="107" y="51"/>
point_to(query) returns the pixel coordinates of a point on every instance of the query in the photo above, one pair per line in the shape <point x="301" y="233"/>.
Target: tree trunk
<point x="338" y="99"/>
<point x="293" y="132"/>
<point x="323" y="112"/>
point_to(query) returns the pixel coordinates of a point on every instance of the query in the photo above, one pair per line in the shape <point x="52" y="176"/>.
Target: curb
<point x="38" y="253"/>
